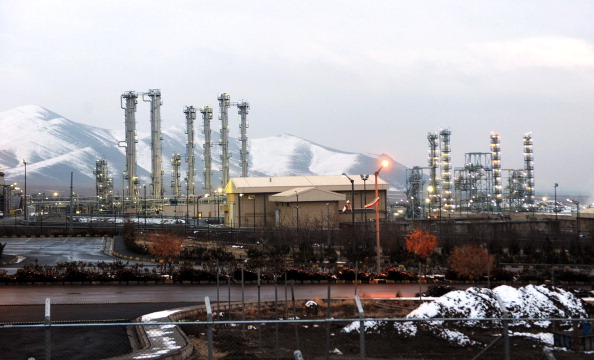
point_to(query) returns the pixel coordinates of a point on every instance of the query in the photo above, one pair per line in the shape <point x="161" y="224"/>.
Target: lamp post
<point x="364" y="178"/>
<point x="352" y="211"/>
<point x="377" y="220"/>
<point x="296" y="194"/>
<point x="555" y="208"/>
<point x="24" y="162"/>
<point x="239" y="205"/>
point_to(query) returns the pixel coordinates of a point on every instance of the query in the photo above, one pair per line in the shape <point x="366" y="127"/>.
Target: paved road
<point x="81" y="294"/>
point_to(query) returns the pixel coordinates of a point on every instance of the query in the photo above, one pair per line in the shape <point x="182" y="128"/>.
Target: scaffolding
<point x="415" y="179"/>
<point x="206" y="112"/>
<point x="474" y="183"/>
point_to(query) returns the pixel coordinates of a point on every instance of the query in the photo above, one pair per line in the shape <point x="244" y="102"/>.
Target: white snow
<point x="534" y="302"/>
<point x="161" y="337"/>
<point x="54" y="146"/>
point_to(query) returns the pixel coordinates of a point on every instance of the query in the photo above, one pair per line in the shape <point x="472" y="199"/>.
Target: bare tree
<point x="471" y="261"/>
<point x="166" y="246"/>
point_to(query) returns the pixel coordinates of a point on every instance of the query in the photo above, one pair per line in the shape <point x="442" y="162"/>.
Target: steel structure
<point x="474" y="182"/>
<point x="206" y="112"/>
<point x="445" y="171"/>
<point x="243" y="107"/>
<point x="103" y="185"/>
<point x="190" y="117"/>
<point x="415" y="180"/>
<point x="433" y="187"/>
<point x="130" y="174"/>
<point x="496" y="165"/>
<point x="224" y="103"/>
<point x="529" y="169"/>
<point x="175" y="176"/>
<point x="156" y="149"/>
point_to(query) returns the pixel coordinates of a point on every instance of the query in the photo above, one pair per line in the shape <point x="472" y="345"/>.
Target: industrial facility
<point x="481" y="185"/>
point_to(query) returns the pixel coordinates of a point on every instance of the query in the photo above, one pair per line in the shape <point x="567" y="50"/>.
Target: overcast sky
<point x="360" y="76"/>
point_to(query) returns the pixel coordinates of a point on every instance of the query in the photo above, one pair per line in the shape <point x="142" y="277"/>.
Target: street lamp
<point x="352" y="211"/>
<point x="555" y="208"/>
<point x="377" y="220"/>
<point x="24" y="162"/>
<point x="364" y="178"/>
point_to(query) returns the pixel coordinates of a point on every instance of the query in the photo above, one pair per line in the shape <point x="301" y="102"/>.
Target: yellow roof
<point x="284" y="183"/>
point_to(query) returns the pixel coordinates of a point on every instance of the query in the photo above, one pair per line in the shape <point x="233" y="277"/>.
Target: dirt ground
<point x="264" y="341"/>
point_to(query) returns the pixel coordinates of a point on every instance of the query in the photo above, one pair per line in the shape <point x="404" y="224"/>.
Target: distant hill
<point x="54" y="147"/>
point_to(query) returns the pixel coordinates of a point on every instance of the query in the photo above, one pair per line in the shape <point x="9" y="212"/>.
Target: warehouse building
<point x="301" y="201"/>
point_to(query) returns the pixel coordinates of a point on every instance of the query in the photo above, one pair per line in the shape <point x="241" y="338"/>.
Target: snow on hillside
<point x="530" y="302"/>
<point x="284" y="155"/>
<point x="54" y="146"/>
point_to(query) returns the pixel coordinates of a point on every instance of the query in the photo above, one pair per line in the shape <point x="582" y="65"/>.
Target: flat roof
<point x="279" y="184"/>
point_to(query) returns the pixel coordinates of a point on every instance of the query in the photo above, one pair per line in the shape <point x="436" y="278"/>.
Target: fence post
<point x="209" y="327"/>
<point x="295" y="314"/>
<point x="48" y="324"/>
<point x="504" y="321"/>
<point x="361" y="327"/>
<point x="328" y="324"/>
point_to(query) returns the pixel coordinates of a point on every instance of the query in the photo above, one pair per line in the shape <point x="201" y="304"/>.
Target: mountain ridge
<point x="54" y="146"/>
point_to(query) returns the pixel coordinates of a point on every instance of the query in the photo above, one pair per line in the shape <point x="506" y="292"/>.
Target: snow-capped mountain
<point x="53" y="147"/>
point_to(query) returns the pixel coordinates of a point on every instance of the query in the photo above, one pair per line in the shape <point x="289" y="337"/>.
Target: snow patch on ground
<point x="529" y="302"/>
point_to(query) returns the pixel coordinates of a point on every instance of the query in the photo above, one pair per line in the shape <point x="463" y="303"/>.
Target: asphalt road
<point x="88" y="294"/>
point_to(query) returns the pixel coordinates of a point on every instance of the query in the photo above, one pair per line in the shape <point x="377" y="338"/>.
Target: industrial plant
<point x="481" y="185"/>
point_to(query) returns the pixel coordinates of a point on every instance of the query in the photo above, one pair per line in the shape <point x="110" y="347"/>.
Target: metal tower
<point x="130" y="174"/>
<point x="529" y="169"/>
<point x="103" y="185"/>
<point x="206" y="112"/>
<point x="414" y="192"/>
<point x="190" y="117"/>
<point x="445" y="170"/>
<point x="243" y="107"/>
<point x="474" y="182"/>
<point x="175" y="183"/>
<point x="496" y="164"/>
<point x="156" y="152"/>
<point x="432" y="188"/>
<point x="224" y="103"/>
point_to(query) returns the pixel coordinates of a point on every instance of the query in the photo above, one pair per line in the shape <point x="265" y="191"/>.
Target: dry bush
<point x="471" y="261"/>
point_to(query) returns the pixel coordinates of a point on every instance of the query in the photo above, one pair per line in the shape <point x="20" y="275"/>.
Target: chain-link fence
<point x="360" y="329"/>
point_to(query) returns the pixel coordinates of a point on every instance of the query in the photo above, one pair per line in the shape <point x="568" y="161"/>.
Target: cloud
<point x="558" y="52"/>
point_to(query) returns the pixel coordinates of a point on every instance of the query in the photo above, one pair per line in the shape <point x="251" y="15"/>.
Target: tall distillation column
<point x="175" y="183"/>
<point x="156" y="152"/>
<point x="103" y="185"/>
<point x="433" y="162"/>
<point x="496" y="165"/>
<point x="529" y="169"/>
<point x="445" y="170"/>
<point x="190" y="117"/>
<point x="224" y="103"/>
<point x="206" y="112"/>
<point x="243" y="107"/>
<point x="130" y="174"/>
